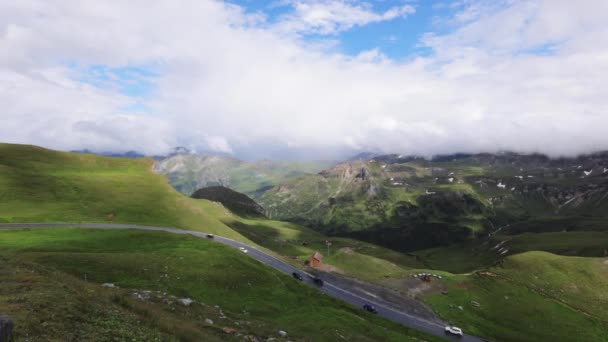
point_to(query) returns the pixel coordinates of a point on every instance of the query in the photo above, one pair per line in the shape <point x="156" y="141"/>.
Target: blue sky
<point x="398" y="38"/>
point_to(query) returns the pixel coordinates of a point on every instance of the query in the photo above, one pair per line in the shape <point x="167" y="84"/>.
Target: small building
<point x="315" y="260"/>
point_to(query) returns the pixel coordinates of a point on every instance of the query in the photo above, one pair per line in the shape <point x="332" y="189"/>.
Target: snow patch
<point x="587" y="173"/>
<point x="451" y="179"/>
<point x="500" y="185"/>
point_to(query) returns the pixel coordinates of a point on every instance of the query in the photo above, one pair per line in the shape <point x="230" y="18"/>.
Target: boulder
<point x="6" y="328"/>
<point x="186" y="301"/>
<point x="282" y="333"/>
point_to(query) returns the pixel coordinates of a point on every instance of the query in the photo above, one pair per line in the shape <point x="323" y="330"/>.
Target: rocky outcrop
<point x="6" y="328"/>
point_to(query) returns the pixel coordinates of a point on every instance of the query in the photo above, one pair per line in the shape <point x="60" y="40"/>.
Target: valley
<point x="493" y="261"/>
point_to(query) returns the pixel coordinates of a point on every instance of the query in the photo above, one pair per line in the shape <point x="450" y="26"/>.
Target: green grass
<point x="210" y="273"/>
<point x="43" y="185"/>
<point x="593" y="244"/>
<point x="296" y="243"/>
<point x="534" y="296"/>
<point x="37" y="184"/>
<point x="457" y="258"/>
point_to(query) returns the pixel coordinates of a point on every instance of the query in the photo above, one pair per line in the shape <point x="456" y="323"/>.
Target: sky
<point x="305" y="79"/>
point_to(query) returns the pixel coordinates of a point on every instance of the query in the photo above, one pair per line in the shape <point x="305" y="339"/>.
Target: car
<point x="297" y="276"/>
<point x="318" y="281"/>
<point x="210" y="236"/>
<point x="243" y="249"/>
<point x="453" y="330"/>
<point x="370" y="308"/>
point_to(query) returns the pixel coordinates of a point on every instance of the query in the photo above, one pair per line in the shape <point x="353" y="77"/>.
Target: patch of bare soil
<point x="329" y="268"/>
<point x="415" y="287"/>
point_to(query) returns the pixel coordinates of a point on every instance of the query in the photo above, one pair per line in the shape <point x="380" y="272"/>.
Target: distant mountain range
<point x="188" y="172"/>
<point x="408" y="203"/>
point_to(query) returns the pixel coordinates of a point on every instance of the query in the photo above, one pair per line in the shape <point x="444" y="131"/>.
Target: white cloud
<point x="333" y="16"/>
<point x="228" y="81"/>
<point x="218" y="144"/>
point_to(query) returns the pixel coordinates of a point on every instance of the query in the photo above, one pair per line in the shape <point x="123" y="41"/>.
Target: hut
<point x="315" y="260"/>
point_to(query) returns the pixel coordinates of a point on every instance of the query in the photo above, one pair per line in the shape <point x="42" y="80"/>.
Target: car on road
<point x="297" y="276"/>
<point x="243" y="249"/>
<point x="318" y="281"/>
<point x="209" y="236"/>
<point x="370" y="308"/>
<point x="452" y="330"/>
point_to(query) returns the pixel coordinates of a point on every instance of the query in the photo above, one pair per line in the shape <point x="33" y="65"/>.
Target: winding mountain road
<point x="385" y="309"/>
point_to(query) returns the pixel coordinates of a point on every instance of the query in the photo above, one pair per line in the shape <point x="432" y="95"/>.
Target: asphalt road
<point x="384" y="309"/>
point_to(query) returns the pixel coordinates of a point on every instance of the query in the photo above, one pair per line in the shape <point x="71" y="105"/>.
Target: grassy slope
<point x="351" y="257"/>
<point x="37" y="184"/>
<point x="534" y="296"/>
<point x="44" y="289"/>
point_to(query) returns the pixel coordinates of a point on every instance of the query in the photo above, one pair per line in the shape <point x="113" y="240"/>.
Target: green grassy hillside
<point x="40" y="185"/>
<point x="534" y="296"/>
<point x="37" y="184"/>
<point x="410" y="204"/>
<point x="51" y="286"/>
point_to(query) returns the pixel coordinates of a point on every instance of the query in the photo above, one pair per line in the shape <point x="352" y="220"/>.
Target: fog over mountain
<point x="285" y="82"/>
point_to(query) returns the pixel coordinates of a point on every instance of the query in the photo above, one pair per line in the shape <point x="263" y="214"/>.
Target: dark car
<point x="318" y="281"/>
<point x="297" y="276"/>
<point x="370" y="308"/>
<point x="210" y="236"/>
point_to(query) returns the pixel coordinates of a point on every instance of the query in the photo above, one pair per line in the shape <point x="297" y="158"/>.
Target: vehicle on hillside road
<point x="318" y="281"/>
<point x="297" y="276"/>
<point x="243" y="249"/>
<point x="452" y="330"/>
<point x="370" y="308"/>
<point x="209" y="236"/>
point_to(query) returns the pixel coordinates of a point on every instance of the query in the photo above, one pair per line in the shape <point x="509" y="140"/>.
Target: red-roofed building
<point x="315" y="260"/>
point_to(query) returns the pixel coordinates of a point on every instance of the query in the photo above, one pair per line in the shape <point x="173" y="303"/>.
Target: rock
<point x="460" y="307"/>
<point x="282" y="333"/>
<point x="6" y="328"/>
<point x="228" y="330"/>
<point x="444" y="292"/>
<point x="185" y="301"/>
<point x="110" y="285"/>
<point x="475" y="304"/>
<point x="208" y="321"/>
<point x="270" y="339"/>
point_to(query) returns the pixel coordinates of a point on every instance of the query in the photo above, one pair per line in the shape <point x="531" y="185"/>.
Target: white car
<point x="453" y="330"/>
<point x="243" y="249"/>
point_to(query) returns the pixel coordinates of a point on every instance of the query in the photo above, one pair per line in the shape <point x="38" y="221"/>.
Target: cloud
<point x="218" y="144"/>
<point x="330" y="16"/>
<point x="520" y="76"/>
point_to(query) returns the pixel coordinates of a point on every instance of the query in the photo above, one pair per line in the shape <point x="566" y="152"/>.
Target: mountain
<point x="123" y="284"/>
<point x="236" y="202"/>
<point x="409" y="203"/>
<point x="188" y="172"/>
<point x="128" y="154"/>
